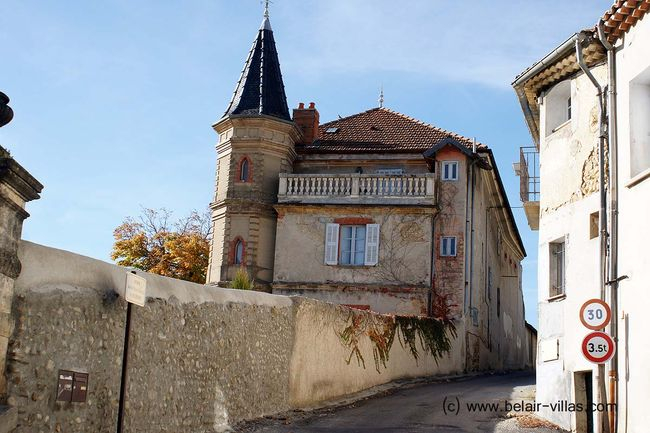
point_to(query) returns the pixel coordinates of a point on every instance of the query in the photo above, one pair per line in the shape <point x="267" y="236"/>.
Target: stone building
<point x="377" y="210"/>
<point x="584" y="183"/>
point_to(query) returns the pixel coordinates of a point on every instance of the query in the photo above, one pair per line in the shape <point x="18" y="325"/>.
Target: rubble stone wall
<point x="201" y="358"/>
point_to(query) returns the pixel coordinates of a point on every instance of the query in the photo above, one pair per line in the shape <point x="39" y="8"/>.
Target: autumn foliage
<point x="155" y="244"/>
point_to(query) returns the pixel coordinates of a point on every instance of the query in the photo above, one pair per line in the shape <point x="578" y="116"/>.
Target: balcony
<point x="528" y="171"/>
<point x="368" y="189"/>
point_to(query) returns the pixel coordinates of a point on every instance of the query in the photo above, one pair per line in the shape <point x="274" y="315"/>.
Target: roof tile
<point x="380" y="130"/>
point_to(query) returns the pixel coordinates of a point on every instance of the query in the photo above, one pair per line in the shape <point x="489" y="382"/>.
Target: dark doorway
<point x="584" y="398"/>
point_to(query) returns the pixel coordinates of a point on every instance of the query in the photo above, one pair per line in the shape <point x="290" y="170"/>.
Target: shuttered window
<point x="448" y="246"/>
<point x="352" y="245"/>
<point x="331" y="244"/>
<point x="450" y="170"/>
<point x="372" y="244"/>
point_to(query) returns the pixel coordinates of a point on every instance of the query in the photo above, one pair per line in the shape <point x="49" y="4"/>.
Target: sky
<point x="114" y="100"/>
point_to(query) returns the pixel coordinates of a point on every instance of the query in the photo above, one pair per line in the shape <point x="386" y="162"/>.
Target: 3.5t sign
<point x="598" y="347"/>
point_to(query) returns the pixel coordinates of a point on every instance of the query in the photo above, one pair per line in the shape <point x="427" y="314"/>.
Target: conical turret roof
<point x="260" y="89"/>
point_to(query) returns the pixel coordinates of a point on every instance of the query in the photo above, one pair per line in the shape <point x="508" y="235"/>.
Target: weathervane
<point x="381" y="97"/>
<point x="266" y="8"/>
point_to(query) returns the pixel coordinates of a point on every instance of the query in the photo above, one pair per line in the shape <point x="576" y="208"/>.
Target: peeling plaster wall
<point x="317" y="372"/>
<point x="569" y="156"/>
<point x="569" y="194"/>
<point x="403" y="270"/>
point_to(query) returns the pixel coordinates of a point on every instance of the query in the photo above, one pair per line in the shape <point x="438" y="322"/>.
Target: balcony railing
<point x="356" y="188"/>
<point x="529" y="174"/>
<point x="528" y="171"/>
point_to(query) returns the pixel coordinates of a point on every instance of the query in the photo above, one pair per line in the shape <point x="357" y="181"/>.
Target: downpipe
<point x="613" y="210"/>
<point x="603" y="421"/>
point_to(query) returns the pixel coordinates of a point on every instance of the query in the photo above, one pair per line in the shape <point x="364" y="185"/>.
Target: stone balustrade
<point x="356" y="188"/>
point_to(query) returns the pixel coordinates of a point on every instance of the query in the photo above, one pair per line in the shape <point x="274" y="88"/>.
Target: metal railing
<point x="529" y="174"/>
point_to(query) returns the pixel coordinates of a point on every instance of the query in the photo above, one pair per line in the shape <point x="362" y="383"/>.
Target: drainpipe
<point x="613" y="212"/>
<point x="602" y="391"/>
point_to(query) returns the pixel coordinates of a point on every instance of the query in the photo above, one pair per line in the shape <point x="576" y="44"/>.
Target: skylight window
<point x="333" y="130"/>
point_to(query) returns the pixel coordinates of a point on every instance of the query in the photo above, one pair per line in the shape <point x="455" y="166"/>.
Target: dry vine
<point x="434" y="336"/>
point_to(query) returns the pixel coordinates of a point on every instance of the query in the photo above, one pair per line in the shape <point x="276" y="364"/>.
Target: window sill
<point x="557" y="298"/>
<point x="638" y="178"/>
<point x="558" y="127"/>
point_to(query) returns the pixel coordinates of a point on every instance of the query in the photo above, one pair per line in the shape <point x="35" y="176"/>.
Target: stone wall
<point x="201" y="357"/>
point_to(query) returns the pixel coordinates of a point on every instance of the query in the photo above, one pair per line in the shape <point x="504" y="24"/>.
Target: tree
<point x="155" y="244"/>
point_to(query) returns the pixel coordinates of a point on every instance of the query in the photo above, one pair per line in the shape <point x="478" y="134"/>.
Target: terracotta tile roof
<point x="622" y="16"/>
<point x="379" y="130"/>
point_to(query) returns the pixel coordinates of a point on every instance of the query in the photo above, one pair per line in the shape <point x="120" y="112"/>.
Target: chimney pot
<point x="301" y="106"/>
<point x="312" y="105"/>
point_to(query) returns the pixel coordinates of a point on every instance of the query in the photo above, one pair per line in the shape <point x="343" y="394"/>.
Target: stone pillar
<point x="17" y="187"/>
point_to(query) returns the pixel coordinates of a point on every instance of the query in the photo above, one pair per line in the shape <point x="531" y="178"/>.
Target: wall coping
<point x="47" y="269"/>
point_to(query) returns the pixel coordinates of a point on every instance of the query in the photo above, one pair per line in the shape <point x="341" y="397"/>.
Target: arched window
<point x="239" y="252"/>
<point x="244" y="170"/>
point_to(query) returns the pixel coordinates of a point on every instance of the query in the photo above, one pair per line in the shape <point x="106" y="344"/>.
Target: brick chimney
<point x="308" y="120"/>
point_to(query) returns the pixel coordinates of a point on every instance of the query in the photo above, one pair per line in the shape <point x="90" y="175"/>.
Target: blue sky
<point x="114" y="100"/>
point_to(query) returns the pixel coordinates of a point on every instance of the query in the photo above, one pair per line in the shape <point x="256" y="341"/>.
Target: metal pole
<point x="125" y="359"/>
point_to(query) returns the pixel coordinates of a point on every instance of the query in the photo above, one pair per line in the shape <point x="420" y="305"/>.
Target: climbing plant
<point x="428" y="334"/>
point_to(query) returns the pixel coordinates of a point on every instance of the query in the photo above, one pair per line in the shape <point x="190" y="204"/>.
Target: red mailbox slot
<point x="64" y="387"/>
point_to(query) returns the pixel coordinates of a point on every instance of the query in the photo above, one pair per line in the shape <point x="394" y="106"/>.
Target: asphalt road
<point x="430" y="407"/>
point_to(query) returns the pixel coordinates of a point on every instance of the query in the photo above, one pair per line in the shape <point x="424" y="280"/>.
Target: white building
<point x="562" y="197"/>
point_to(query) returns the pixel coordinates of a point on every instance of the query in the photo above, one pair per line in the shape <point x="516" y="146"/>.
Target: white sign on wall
<point x="136" y="289"/>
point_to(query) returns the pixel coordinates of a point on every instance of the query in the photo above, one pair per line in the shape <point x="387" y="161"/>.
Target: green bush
<point x="242" y="280"/>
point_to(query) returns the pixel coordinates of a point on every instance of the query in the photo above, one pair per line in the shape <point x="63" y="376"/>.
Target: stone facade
<point x="17" y="187"/>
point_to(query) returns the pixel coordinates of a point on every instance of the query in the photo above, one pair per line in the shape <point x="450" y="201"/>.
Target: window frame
<point x="557" y="268"/>
<point x="353" y="240"/>
<point x="454" y="244"/>
<point x="449" y="175"/>
<point x="334" y="233"/>
<point x="245" y="166"/>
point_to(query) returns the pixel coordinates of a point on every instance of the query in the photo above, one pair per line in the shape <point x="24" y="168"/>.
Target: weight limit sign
<point x="595" y="314"/>
<point x="598" y="347"/>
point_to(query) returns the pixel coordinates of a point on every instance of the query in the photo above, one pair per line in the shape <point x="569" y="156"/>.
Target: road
<point x="430" y="407"/>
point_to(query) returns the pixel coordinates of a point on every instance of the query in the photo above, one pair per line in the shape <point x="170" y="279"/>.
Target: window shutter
<point x="372" y="244"/>
<point x="331" y="244"/>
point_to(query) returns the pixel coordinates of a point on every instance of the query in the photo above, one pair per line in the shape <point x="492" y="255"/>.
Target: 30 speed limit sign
<point x="595" y="314"/>
<point x="598" y="347"/>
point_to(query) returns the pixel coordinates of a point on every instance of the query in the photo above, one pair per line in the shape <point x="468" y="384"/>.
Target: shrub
<point x="242" y="280"/>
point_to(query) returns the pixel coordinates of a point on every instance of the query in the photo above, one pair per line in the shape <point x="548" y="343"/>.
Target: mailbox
<point x="79" y="387"/>
<point x="64" y="388"/>
<point x="72" y="386"/>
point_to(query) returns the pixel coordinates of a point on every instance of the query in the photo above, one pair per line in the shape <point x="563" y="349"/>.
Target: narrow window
<point x="448" y="246"/>
<point x="239" y="252"/>
<point x="244" y="170"/>
<point x="557" y="268"/>
<point x="568" y="108"/>
<point x="498" y="302"/>
<point x="450" y="170"/>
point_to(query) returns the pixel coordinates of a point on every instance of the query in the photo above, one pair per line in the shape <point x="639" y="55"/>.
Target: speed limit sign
<point x="598" y="347"/>
<point x="595" y="314"/>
